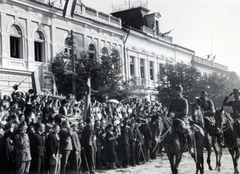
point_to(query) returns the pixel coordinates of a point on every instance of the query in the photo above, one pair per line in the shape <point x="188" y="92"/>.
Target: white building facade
<point x="32" y="32"/>
<point x="145" y="55"/>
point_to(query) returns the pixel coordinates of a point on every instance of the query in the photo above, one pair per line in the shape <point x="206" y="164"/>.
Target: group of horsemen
<point x="179" y="109"/>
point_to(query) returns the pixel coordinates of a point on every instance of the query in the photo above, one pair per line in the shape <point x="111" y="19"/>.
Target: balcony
<point x="210" y="63"/>
<point x="130" y="5"/>
<point x="152" y="33"/>
<point x="82" y="10"/>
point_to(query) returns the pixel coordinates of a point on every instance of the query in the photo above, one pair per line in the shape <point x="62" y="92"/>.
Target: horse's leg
<point x="199" y="155"/>
<point x="218" y="152"/>
<point x="208" y="146"/>
<point x="178" y="160"/>
<point x="160" y="149"/>
<point x="200" y="160"/>
<point x="235" y="156"/>
<point x="171" y="160"/>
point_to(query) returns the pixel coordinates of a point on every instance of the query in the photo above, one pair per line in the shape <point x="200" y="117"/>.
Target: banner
<point x="42" y="79"/>
<point x="37" y="79"/>
<point x="69" y="8"/>
<point x="87" y="104"/>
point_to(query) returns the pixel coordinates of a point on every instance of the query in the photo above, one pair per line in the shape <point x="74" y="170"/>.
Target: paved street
<point x="161" y="166"/>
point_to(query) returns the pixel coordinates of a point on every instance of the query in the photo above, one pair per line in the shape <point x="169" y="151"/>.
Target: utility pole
<point x="73" y="65"/>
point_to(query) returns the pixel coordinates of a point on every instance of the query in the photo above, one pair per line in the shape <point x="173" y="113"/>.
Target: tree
<point x="216" y="85"/>
<point x="105" y="74"/>
<point x="172" y="75"/>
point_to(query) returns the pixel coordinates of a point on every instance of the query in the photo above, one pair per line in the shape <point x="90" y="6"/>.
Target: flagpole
<point x="212" y="44"/>
<point x="73" y="66"/>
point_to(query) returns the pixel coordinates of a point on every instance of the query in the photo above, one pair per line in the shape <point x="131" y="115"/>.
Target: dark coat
<point x="76" y="142"/>
<point x="65" y="139"/>
<point x="52" y="144"/>
<point x="22" y="147"/>
<point x="38" y="144"/>
<point x="147" y="133"/>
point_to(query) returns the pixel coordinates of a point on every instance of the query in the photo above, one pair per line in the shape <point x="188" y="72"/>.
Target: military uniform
<point x="179" y="106"/>
<point x="208" y="109"/>
<point x="23" y="154"/>
<point x="179" y="111"/>
<point x="235" y="107"/>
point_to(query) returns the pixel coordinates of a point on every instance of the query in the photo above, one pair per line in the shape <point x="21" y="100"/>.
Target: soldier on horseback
<point x="206" y="104"/>
<point x="235" y="104"/>
<point x="179" y="111"/>
<point x="235" y="107"/>
<point x="208" y="111"/>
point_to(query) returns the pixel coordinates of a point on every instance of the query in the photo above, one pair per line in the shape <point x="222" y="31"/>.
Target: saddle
<point x="210" y="120"/>
<point x="185" y="130"/>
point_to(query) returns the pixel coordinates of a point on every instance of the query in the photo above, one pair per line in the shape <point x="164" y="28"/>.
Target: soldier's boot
<point x="189" y="137"/>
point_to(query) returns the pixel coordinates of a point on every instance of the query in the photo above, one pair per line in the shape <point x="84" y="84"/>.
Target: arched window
<point x="39" y="46"/>
<point x="68" y="46"/>
<point x="116" y="60"/>
<point x="15" y="42"/>
<point x="92" y="51"/>
<point x="104" y="51"/>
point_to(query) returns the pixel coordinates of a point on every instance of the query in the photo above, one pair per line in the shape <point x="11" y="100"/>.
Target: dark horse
<point x="208" y="125"/>
<point x="174" y="145"/>
<point x="230" y="134"/>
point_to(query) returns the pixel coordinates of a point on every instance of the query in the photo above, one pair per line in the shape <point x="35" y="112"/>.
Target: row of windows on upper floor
<point x="16" y="46"/>
<point x="39" y="50"/>
<point x="142" y="68"/>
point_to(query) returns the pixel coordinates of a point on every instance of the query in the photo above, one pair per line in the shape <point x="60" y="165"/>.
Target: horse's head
<point x="196" y="113"/>
<point x="218" y="116"/>
<point x="157" y="126"/>
<point x="222" y="117"/>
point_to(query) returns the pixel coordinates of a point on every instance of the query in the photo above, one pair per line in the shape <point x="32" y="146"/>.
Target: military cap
<point x="109" y="125"/>
<point x="31" y="91"/>
<point x="204" y="92"/>
<point x="24" y="123"/>
<point x="179" y="88"/>
<point x="74" y="124"/>
<point x="236" y="91"/>
<point x="7" y="97"/>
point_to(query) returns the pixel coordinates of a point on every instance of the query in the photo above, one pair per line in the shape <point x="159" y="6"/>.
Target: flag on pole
<point x="87" y="104"/>
<point x="166" y="33"/>
<point x="69" y="8"/>
<point x="54" y="89"/>
<point x="37" y="79"/>
<point x="214" y="57"/>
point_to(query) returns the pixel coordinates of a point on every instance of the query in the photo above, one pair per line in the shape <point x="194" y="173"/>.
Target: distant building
<point x="207" y="66"/>
<point x="146" y="47"/>
<point x="32" y="32"/>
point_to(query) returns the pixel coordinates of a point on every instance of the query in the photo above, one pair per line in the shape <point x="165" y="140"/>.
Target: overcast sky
<point x="205" y="26"/>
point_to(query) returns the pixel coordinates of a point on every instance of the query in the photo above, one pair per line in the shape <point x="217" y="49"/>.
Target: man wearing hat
<point x="208" y="109"/>
<point x="235" y="104"/>
<point x="89" y="146"/>
<point x="22" y="148"/>
<point x="179" y="111"/>
<point x="75" y="155"/>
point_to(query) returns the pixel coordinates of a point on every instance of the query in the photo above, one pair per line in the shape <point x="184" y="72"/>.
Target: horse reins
<point x="229" y="125"/>
<point x="161" y="138"/>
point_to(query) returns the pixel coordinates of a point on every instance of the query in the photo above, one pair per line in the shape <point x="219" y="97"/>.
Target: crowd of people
<point x="49" y="134"/>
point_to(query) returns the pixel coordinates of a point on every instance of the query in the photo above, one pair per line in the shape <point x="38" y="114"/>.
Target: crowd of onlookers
<point x="48" y="134"/>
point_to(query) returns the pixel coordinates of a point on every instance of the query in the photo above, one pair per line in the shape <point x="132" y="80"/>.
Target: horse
<point x="230" y="134"/>
<point x="207" y="124"/>
<point x="174" y="145"/>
